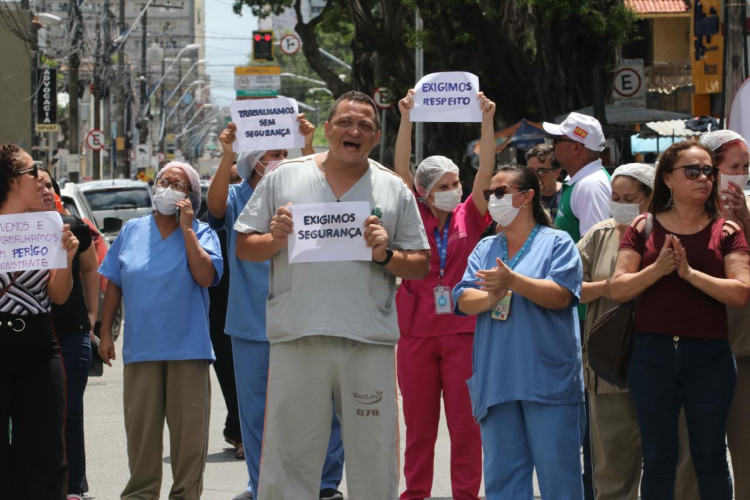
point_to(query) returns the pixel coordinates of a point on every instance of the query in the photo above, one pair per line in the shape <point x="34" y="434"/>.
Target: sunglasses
<point x="559" y="138"/>
<point x="692" y="172"/>
<point x="32" y="170"/>
<point x="499" y="192"/>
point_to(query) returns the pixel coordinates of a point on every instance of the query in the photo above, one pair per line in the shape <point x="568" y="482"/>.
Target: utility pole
<point x="96" y="155"/>
<point x="74" y="62"/>
<point x="109" y="132"/>
<point x="121" y="101"/>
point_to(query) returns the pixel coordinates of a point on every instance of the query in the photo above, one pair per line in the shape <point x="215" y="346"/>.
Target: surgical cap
<point x="640" y="171"/>
<point x="430" y="171"/>
<point x="246" y="162"/>
<point x="714" y="140"/>
<point x="195" y="181"/>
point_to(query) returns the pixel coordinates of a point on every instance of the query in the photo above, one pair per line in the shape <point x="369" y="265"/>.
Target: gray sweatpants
<point x="304" y="375"/>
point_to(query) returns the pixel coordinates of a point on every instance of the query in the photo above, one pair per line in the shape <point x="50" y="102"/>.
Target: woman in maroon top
<point x="691" y="265"/>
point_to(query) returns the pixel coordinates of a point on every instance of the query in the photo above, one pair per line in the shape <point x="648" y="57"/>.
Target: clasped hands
<point x="496" y="281"/>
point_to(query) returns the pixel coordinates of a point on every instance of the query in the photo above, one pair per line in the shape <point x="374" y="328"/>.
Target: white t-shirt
<point x="592" y="191"/>
<point x="351" y="299"/>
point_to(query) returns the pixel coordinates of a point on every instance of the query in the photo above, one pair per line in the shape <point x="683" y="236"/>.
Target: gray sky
<point x="227" y="45"/>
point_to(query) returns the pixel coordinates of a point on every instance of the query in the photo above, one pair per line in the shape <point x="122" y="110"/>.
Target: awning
<point x="523" y="135"/>
<point x="667" y="128"/>
<point x="624" y="115"/>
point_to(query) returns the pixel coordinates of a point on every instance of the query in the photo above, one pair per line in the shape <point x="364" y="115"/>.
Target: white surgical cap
<point x="430" y="171"/>
<point x="714" y="140"/>
<point x="246" y="162"/>
<point x="639" y="171"/>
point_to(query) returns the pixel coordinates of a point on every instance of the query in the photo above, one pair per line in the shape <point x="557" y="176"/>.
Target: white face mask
<point x="166" y="200"/>
<point x="267" y="166"/>
<point x="447" y="200"/>
<point x="724" y="181"/>
<point x="624" y="213"/>
<point x="502" y="211"/>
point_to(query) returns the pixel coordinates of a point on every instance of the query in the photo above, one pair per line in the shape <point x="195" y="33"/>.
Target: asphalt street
<point x="225" y="476"/>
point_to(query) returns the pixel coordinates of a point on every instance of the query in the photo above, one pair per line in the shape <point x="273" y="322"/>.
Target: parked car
<point x="122" y="198"/>
<point x="204" y="194"/>
<point x="75" y="202"/>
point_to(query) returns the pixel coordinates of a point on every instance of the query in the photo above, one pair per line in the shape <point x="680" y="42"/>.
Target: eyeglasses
<point x="176" y="185"/>
<point x="692" y="172"/>
<point x="32" y="170"/>
<point x="541" y="172"/>
<point x="499" y="192"/>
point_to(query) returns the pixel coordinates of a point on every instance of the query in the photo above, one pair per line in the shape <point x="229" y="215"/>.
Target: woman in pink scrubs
<point x="435" y="349"/>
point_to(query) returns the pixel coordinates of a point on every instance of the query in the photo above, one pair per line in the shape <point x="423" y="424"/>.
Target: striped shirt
<point x="27" y="295"/>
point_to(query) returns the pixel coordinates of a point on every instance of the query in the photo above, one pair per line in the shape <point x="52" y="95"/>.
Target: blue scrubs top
<point x="534" y="355"/>
<point x="166" y="311"/>
<point x="248" y="281"/>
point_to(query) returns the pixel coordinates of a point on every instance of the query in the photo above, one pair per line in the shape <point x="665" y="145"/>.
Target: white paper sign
<point x="326" y="232"/>
<point x="31" y="241"/>
<point x="264" y="124"/>
<point x="446" y="97"/>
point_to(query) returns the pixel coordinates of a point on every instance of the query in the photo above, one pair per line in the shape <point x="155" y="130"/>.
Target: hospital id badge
<point x="502" y="308"/>
<point x="443" y="301"/>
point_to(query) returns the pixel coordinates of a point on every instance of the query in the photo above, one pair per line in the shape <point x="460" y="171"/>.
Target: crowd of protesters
<point x="495" y="328"/>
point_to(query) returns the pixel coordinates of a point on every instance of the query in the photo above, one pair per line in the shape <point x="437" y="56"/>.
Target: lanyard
<point x="523" y="249"/>
<point x="442" y="247"/>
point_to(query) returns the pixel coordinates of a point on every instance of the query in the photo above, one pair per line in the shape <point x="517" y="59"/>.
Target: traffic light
<point x="262" y="46"/>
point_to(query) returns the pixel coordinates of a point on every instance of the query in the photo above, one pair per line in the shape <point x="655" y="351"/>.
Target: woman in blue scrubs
<point x="161" y="265"/>
<point x="526" y="389"/>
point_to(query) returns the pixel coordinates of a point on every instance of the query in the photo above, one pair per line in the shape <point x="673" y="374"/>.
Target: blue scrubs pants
<point x="519" y="436"/>
<point x="251" y="376"/>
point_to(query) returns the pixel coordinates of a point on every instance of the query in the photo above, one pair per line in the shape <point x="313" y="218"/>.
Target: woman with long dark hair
<point x="32" y="381"/>
<point x="526" y="388"/>
<point x="683" y="273"/>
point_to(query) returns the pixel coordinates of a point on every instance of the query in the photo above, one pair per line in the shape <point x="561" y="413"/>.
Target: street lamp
<point x="178" y="86"/>
<point x="195" y="115"/>
<point x="177" y="105"/>
<point x="190" y="47"/>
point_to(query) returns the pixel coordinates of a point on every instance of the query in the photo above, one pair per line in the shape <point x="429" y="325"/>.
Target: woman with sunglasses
<point x="731" y="157"/>
<point x="683" y="273"/>
<point x="526" y="387"/>
<point x="434" y="350"/>
<point x="32" y="380"/>
<point x="161" y="266"/>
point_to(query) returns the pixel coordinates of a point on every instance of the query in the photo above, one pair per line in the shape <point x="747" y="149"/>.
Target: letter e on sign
<point x="627" y="82"/>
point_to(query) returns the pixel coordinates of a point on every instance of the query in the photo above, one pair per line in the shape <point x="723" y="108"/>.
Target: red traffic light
<point x="267" y="37"/>
<point x="257" y="37"/>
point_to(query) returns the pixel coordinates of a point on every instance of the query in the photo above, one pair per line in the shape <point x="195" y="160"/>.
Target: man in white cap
<point x="578" y="143"/>
<point x="246" y="308"/>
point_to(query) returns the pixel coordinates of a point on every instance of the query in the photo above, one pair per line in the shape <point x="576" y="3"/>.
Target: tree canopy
<point x="534" y="58"/>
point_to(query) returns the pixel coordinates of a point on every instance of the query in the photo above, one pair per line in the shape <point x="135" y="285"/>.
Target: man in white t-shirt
<point x="578" y="143"/>
<point x="332" y="325"/>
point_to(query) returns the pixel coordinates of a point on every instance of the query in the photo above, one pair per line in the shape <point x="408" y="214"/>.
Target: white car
<point x="75" y="202"/>
<point x="124" y="199"/>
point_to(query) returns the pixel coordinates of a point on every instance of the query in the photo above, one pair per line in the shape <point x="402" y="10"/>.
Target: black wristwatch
<point x="388" y="257"/>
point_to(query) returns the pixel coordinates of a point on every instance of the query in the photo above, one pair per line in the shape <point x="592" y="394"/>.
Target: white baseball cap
<point x="581" y="128"/>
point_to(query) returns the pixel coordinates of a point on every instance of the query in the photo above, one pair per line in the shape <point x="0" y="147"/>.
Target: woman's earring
<point x="670" y="203"/>
<point x="525" y="205"/>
